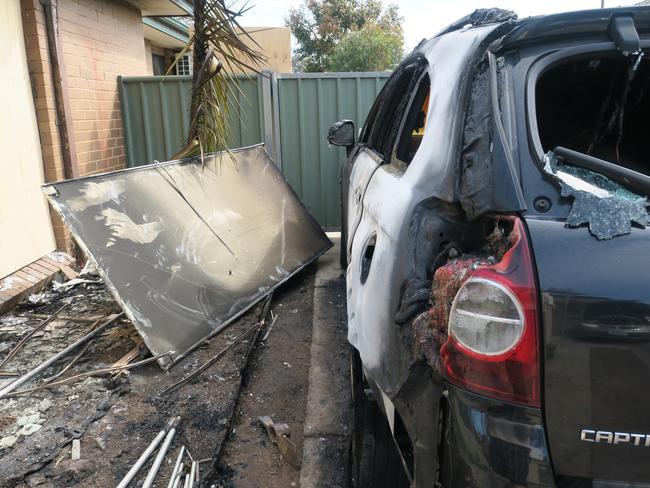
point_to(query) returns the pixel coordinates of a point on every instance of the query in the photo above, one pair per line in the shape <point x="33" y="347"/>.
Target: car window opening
<point x="591" y="121"/>
<point x="380" y="139"/>
<point x="415" y="123"/>
<point x="597" y="106"/>
<point x="385" y="116"/>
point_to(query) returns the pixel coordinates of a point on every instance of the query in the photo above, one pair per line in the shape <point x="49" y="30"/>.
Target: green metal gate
<point x="308" y="104"/>
<point x="289" y="112"/>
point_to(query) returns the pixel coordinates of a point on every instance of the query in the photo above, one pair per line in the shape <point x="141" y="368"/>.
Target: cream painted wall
<point x="275" y="44"/>
<point x="25" y="225"/>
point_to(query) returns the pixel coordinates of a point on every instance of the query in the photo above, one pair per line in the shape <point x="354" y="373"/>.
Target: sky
<point x="424" y="18"/>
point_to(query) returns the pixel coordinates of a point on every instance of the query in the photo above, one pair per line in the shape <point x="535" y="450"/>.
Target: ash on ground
<point x="115" y="417"/>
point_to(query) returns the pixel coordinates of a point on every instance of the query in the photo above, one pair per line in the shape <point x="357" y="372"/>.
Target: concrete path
<point x="328" y="417"/>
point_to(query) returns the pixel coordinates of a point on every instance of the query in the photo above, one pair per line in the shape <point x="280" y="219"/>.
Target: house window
<point x="158" y="63"/>
<point x="184" y="64"/>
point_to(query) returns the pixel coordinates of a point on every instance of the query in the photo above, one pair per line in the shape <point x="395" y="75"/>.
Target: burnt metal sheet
<point x="188" y="247"/>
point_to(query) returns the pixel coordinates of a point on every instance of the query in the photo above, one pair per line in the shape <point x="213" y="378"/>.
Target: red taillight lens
<point x="493" y="347"/>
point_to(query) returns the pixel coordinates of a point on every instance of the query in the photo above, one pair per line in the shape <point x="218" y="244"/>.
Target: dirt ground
<point x="275" y="384"/>
<point x="116" y="418"/>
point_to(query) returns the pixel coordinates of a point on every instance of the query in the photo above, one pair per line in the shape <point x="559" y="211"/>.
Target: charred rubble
<point x="159" y="282"/>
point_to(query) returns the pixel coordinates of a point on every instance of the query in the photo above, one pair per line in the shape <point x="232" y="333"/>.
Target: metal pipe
<point x="41" y="367"/>
<point x="177" y="467"/>
<point x="179" y="477"/>
<point x="141" y="460"/>
<point x="60" y="86"/>
<point x="69" y="318"/>
<point x="193" y="473"/>
<point x="148" y="482"/>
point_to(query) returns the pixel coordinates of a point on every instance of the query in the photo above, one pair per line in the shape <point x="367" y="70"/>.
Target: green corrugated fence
<point x="289" y="112"/>
<point x="308" y="104"/>
<point x="155" y="110"/>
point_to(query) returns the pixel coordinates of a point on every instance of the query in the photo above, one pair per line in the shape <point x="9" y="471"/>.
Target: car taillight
<point x="492" y="347"/>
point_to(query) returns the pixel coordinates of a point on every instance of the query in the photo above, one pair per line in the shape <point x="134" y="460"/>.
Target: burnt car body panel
<point x="387" y="192"/>
<point x="476" y="160"/>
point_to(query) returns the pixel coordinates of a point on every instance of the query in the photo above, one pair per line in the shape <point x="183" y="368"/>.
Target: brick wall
<point x="101" y="39"/>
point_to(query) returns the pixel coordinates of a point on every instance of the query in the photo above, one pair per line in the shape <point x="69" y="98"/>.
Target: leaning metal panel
<point x="187" y="247"/>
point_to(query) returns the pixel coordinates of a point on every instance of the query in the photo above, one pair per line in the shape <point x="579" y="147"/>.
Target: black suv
<point x="498" y="264"/>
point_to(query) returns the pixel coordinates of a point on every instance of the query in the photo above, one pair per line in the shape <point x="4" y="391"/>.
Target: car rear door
<point x="376" y="215"/>
<point x="374" y="147"/>
<point x="376" y="141"/>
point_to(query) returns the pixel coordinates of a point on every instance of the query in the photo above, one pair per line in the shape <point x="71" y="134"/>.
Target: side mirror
<point x="341" y="133"/>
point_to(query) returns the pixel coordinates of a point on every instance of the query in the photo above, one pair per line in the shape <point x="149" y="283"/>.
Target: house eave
<point x="174" y="34"/>
<point x="159" y="8"/>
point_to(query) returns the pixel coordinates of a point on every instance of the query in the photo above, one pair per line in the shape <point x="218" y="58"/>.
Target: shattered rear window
<point x="597" y="106"/>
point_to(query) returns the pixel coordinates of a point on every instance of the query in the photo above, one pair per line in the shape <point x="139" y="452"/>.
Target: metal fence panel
<point x="308" y="104"/>
<point x="156" y="115"/>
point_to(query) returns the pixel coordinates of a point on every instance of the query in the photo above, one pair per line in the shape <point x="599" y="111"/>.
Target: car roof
<point x="583" y="24"/>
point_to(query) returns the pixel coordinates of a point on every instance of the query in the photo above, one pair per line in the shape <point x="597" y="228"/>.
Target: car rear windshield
<point x="597" y="105"/>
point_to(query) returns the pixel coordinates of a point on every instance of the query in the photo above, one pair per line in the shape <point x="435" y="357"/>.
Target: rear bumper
<point x="489" y="443"/>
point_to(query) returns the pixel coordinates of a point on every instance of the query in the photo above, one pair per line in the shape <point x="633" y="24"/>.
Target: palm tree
<point x="217" y="40"/>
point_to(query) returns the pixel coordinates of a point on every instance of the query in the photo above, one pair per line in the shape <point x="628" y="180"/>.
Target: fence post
<point x="126" y="121"/>
<point x="275" y="96"/>
<point x="264" y="79"/>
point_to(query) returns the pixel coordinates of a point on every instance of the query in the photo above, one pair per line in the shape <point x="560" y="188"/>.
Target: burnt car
<point x="497" y="257"/>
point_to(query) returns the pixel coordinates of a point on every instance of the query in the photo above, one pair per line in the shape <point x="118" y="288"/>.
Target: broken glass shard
<point x="187" y="247"/>
<point x="605" y="206"/>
